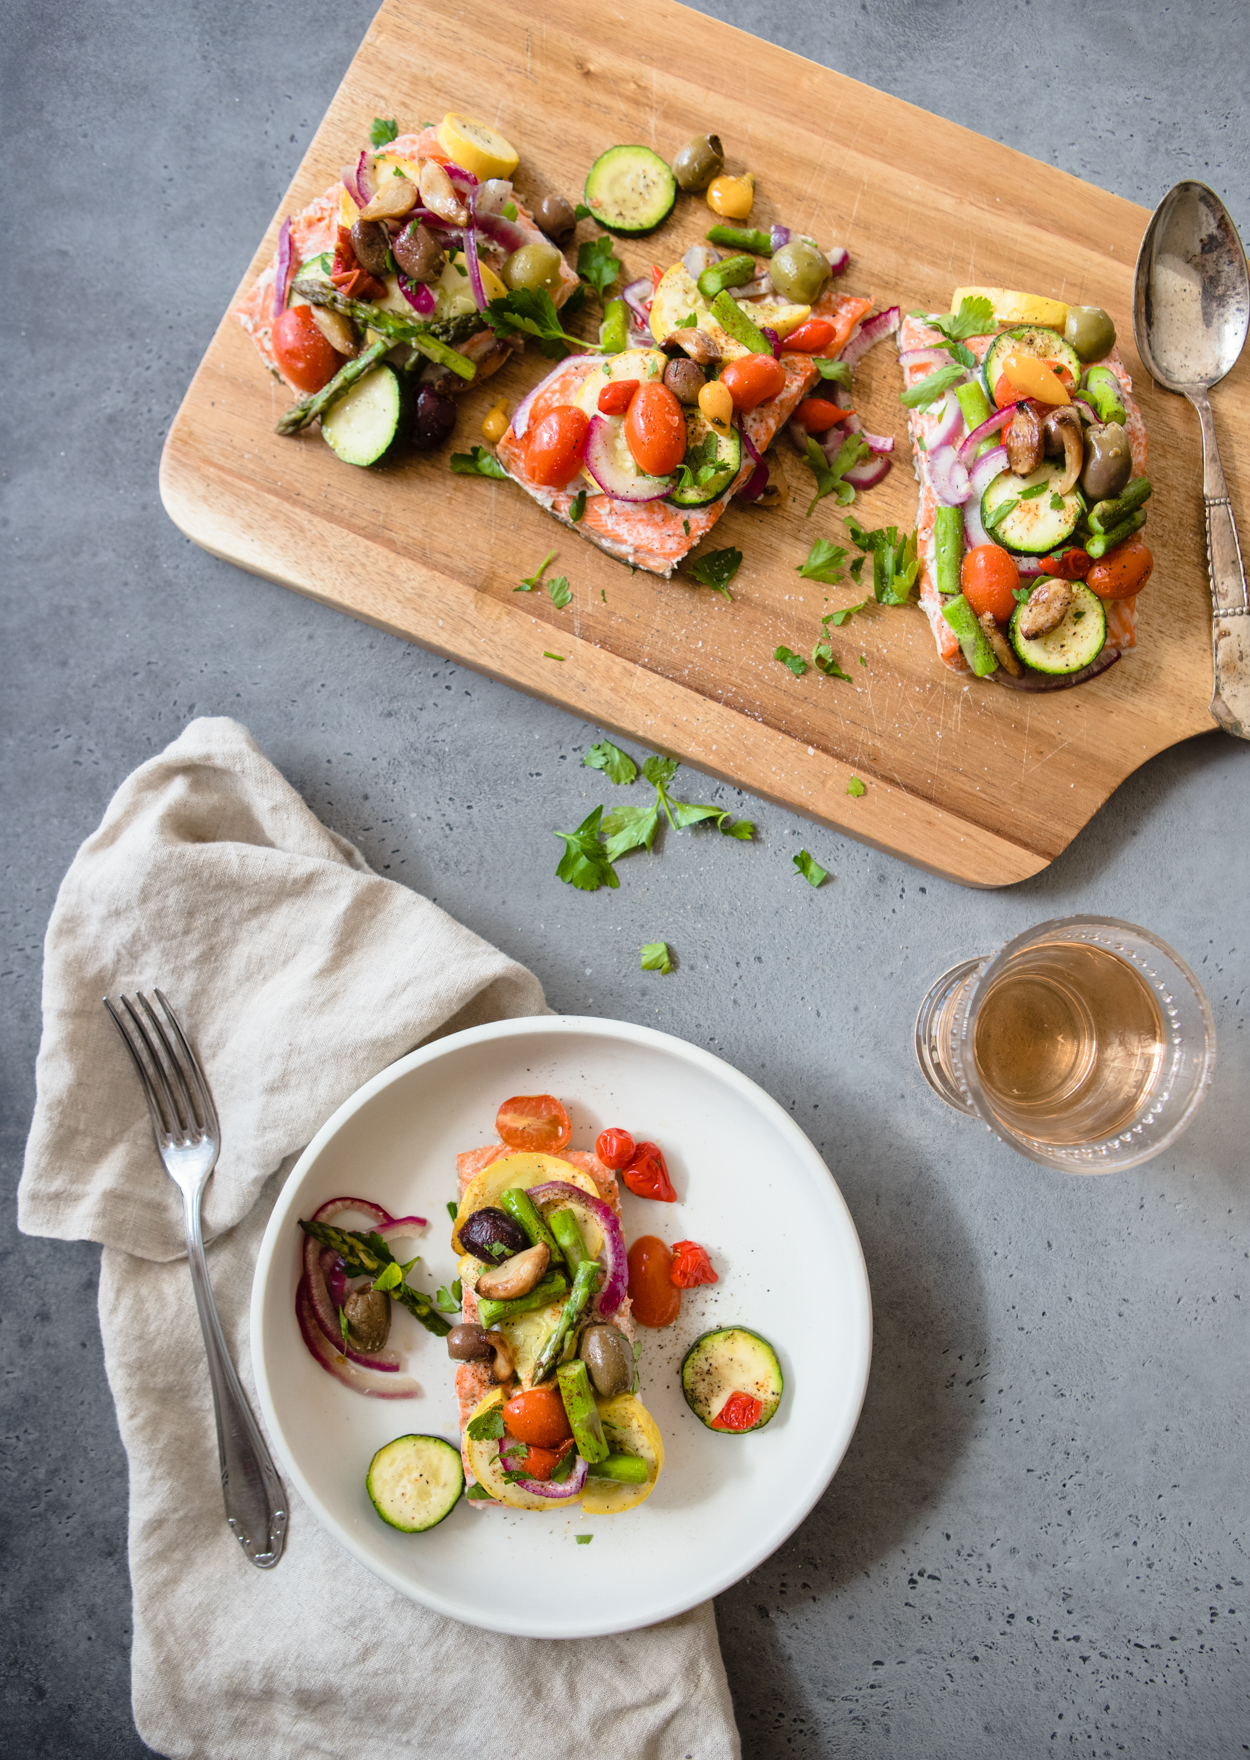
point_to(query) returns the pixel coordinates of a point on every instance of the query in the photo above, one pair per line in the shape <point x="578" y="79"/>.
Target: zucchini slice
<point x="731" y="1360"/>
<point x="706" y="447"/>
<point x="1072" y="644"/>
<point x="415" y="1482"/>
<point x="364" y="424"/>
<point x="630" y="189"/>
<point x="1034" y="339"/>
<point x="1031" y="522"/>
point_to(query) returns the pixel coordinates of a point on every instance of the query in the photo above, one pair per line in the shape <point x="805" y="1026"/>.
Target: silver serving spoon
<point x="1191" y="307"/>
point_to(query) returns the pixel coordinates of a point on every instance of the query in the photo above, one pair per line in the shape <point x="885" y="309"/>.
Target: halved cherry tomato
<point x="818" y="415"/>
<point x="537" y="1417"/>
<point x="1122" y="572"/>
<point x="656" y="1299"/>
<point x="655" y="430"/>
<point x="809" y="338"/>
<point x="615" y="398"/>
<point x="752" y="378"/>
<point x="536" y="1123"/>
<point x="646" y="1175"/>
<point x="1073" y="565"/>
<point x="1005" y="392"/>
<point x="691" y="1266"/>
<point x="657" y="275"/>
<point x="741" y="1411"/>
<point x="303" y="354"/>
<point x="553" y="456"/>
<point x="540" y="1463"/>
<point x="989" y="579"/>
<point x="615" y="1147"/>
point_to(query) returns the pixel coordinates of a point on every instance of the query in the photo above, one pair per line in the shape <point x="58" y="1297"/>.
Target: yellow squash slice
<point x="629" y="1429"/>
<point x="476" y="147"/>
<point x="516" y="1170"/>
<point x="1015" y="308"/>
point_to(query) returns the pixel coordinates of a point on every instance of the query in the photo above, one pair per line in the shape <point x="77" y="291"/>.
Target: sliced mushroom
<point x="438" y="193"/>
<point x="697" y="344"/>
<point x="1045" y="608"/>
<point x="1003" y="651"/>
<point x="396" y="196"/>
<point x="1024" y="440"/>
<point x="516" y="1276"/>
<point x="504" y="1366"/>
<point x="1061" y="432"/>
<point x="338" y="331"/>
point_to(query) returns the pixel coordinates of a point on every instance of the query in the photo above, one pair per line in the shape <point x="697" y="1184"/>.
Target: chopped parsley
<point x="530" y="582"/>
<point x="548" y="655"/>
<point x="689" y="322"/>
<point x="838" y="618"/>
<point x="829" y="477"/>
<point x="585" y="863"/>
<point x="583" y="1539"/>
<point x="563" y="1467"/>
<point x="509" y="210"/>
<point x="717" y="569"/>
<point x="478" y="463"/>
<point x="824" y="563"/>
<point x="581" y="211"/>
<point x="701" y="465"/>
<point x="787" y="656"/>
<point x="384" y="129"/>
<point x="1056" y="502"/>
<point x="823" y="660"/>
<point x="616" y="765"/>
<point x="685" y="526"/>
<point x="559" y="591"/>
<point x="810" y="868"/>
<point x="477" y="1494"/>
<point x="453" y="1209"/>
<point x="655" y="957"/>
<point x="974" y="318"/>
<point x="597" y="265"/>
<point x="927" y="391"/>
<point x="1020" y="594"/>
<point x="531" y="312"/>
<point x="448" y="1301"/>
<point x="856" y="787"/>
<point x="579" y="507"/>
<point x="838" y="371"/>
<point x="487" y="1426"/>
<point x="895" y="561"/>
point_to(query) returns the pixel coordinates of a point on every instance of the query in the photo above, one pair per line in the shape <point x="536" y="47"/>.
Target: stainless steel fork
<point x="184" y="1121"/>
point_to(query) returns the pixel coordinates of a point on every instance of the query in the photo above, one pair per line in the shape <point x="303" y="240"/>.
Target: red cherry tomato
<point x="655" y="1298"/>
<point x="655" y="430"/>
<point x="536" y="1123"/>
<point x="540" y="1463"/>
<point x="553" y="456"/>
<point x="809" y="338"/>
<point x="989" y="578"/>
<point x="615" y="1147"/>
<point x="647" y="1174"/>
<point x="537" y="1417"/>
<point x="616" y="397"/>
<point x="302" y="352"/>
<point x="741" y="1411"/>
<point x="1122" y="572"/>
<point x="691" y="1266"/>
<point x="1073" y="565"/>
<point x="818" y="415"/>
<point x="753" y="378"/>
<point x="1005" y="392"/>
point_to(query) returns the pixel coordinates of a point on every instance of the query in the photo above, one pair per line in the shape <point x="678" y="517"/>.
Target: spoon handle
<point x="1230" y="703"/>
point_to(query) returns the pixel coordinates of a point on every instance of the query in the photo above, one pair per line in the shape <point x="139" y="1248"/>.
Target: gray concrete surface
<point x="1037" y="1541"/>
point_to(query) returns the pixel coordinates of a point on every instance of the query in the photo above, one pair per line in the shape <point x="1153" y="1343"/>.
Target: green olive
<point x="536" y="266"/>
<point x="1108" y="462"/>
<point x="699" y="161"/>
<point x="799" y="271"/>
<point x="1089" y="331"/>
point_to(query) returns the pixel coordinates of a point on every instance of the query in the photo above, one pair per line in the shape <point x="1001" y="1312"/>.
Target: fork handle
<point x="1230" y="703"/>
<point x="255" y="1501"/>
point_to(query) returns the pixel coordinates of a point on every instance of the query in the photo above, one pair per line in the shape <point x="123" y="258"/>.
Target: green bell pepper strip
<point x="626" y="1469"/>
<point x="614" y="330"/>
<point x="552" y="1287"/>
<point x="948" y="534"/>
<point x="517" y="1203"/>
<point x="1099" y="544"/>
<point x="731" y="318"/>
<point x="581" y="1411"/>
<point x="976" y="650"/>
<point x="741" y="238"/>
<point x="1110" y="513"/>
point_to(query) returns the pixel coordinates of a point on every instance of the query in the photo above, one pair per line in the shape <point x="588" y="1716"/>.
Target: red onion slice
<point x="870" y="332"/>
<point x="364" y="180"/>
<point x="757" y="482"/>
<point x="951" y="483"/>
<point x="981" y="476"/>
<point x="798" y="437"/>
<point x="698" y="258"/>
<point x="755" y="289"/>
<point x="881" y="444"/>
<point x="868" y="474"/>
<point x="333" y="1206"/>
<point x="637" y="297"/>
<point x="968" y="451"/>
<point x="1087" y="410"/>
<point x="470" y="255"/>
<point x="922" y="357"/>
<point x="602" y="463"/>
<point x="460" y="177"/>
<point x="1042" y="681"/>
<point x="778" y="235"/>
<point x="504" y="232"/>
<point x="611" y="1255"/>
<point x="335" y="1363"/>
<point x="948" y="424"/>
<point x="771" y="336"/>
<point x="555" y="1492"/>
<point x="403" y="1225"/>
<point x="326" y="1315"/>
<point x="839" y="261"/>
<point x="418" y="295"/>
<point x="282" y="269"/>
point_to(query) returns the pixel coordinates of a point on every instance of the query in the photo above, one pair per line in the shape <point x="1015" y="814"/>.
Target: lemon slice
<point x="476" y="147"/>
<point x="1015" y="308"/>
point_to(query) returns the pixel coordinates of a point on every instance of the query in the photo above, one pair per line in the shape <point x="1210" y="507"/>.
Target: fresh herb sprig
<point x="895" y="561"/>
<point x="529" y="311"/>
<point x="366" y="1254"/>
<point x="830" y="478"/>
<point x="597" y="264"/>
<point x="717" y="569"/>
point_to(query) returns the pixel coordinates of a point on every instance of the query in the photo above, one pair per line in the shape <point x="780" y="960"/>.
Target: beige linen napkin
<point x="301" y="974"/>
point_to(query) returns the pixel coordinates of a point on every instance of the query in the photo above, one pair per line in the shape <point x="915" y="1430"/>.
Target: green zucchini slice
<point x="630" y="189"/>
<point x="1034" y="339"/>
<point x="364" y="424"/>
<point x="731" y="1360"/>
<point x="415" y="1482"/>
<point x="1072" y="644"/>
<point x="705" y="448"/>
<point x="1021" y="512"/>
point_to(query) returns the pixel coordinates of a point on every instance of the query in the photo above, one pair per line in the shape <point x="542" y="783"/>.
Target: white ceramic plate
<point x="751" y="1189"/>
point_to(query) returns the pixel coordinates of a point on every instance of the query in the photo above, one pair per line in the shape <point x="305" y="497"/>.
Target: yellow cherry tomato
<point x="1033" y="378"/>
<point x="495" y="422"/>
<point x="732" y="196"/>
<point x="717" y="404"/>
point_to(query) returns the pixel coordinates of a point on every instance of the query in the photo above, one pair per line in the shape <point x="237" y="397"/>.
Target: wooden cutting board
<point x="964" y="778"/>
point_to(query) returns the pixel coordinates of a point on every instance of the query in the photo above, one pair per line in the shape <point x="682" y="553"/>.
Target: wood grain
<point x="965" y="779"/>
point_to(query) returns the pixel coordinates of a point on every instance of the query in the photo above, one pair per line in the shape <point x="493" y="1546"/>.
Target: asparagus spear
<point x="300" y="415"/>
<point x="564" y="1227"/>
<point x="626" y="1469"/>
<point x="389" y="324"/>
<point x="1108" y="514"/>
<point x="549" y="1290"/>
<point x="731" y="316"/>
<point x="517" y="1203"/>
<point x="584" y="1284"/>
<point x="581" y="1410"/>
<point x="1099" y="544"/>
<point x="364" y="1255"/>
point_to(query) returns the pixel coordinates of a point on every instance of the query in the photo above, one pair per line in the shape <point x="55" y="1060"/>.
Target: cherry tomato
<point x="1124" y="572"/>
<point x="616" y="397"/>
<point x="615" y="1147"/>
<point x="655" y="430"/>
<point x="302" y="352"/>
<point x="752" y="378"/>
<point x="809" y="338"/>
<point x="647" y="1174"/>
<point x="540" y="1463"/>
<point x="536" y="1123"/>
<point x="537" y="1417"/>
<point x="818" y="415"/>
<point x="741" y="1411"/>
<point x="554" y="454"/>
<point x="989" y="579"/>
<point x="1073" y="565"/>
<point x="1005" y="392"/>
<point x="655" y="1298"/>
<point x="691" y="1266"/>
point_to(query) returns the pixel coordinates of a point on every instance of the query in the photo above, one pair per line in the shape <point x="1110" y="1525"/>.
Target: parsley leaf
<point x="579" y="506"/>
<point x="383" y="130"/>
<point x="487" y="1426"/>
<point x="689" y="322"/>
<point x="788" y="657"/>
<point x="974" y="318"/>
<point x="344" y="1327"/>
<point x="838" y="371"/>
<point x="448" y="1301"/>
<point x="559" y="592"/>
<point x="585" y="863"/>
<point x="857" y="568"/>
<point x="655" y="957"/>
<point x="838" y="618"/>
<point x="583" y="1539"/>
<point x="532" y="581"/>
<point x="531" y="311"/>
<point x="824" y="562"/>
<point x="477" y="1494"/>
<point x="856" y="787"/>
<point x="478" y="463"/>
<point x="823" y="661"/>
<point x="596" y="263"/>
<point x="617" y="765"/>
<point x="1056" y="502"/>
<point x="563" y="1467"/>
<point x="1020" y="594"/>
<point x="895" y="561"/>
<point x="581" y="211"/>
<point x="717" y="569"/>
<point x="926" y="391"/>
<point x="810" y="868"/>
<point x="453" y="1209"/>
<point x="660" y="771"/>
<point x="828" y="476"/>
<point x="629" y="828"/>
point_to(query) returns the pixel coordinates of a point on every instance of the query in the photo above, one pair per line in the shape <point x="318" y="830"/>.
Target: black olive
<point x="490" y="1228"/>
<point x="433" y="420"/>
<point x="371" y="241"/>
<point x="684" y="380"/>
<point x="555" y="216"/>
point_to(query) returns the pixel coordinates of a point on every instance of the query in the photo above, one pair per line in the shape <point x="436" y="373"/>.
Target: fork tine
<point x="158" y="1075"/>
<point x="171" y="1068"/>
<point x="156" y="1107"/>
<point x="189" y="1066"/>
